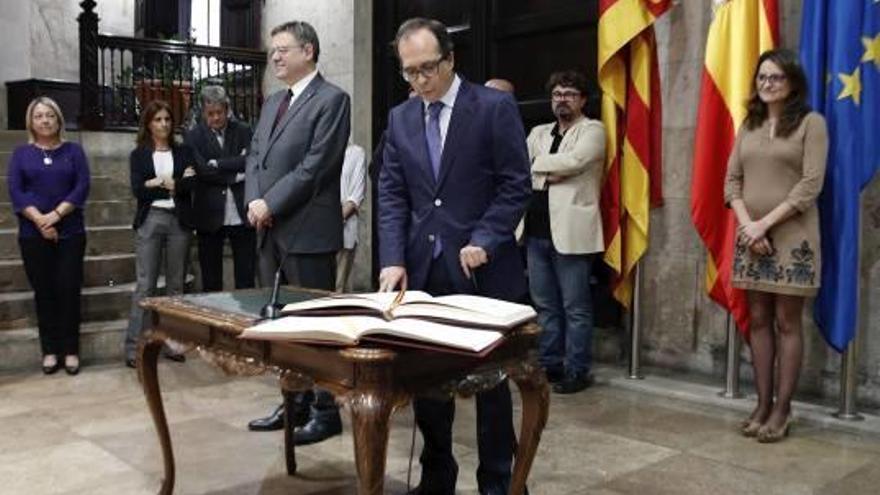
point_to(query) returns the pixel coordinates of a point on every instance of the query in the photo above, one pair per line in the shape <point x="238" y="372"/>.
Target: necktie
<point x="282" y="108"/>
<point x="432" y="136"/>
<point x="435" y="150"/>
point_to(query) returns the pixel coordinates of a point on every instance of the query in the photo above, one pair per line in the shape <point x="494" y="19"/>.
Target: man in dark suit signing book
<point x="453" y="186"/>
<point x="219" y="146"/>
<point x="292" y="191"/>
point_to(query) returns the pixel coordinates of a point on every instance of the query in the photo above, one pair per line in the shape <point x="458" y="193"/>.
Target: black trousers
<point x="55" y="272"/>
<point x="496" y="439"/>
<point x="243" y="241"/>
<point x="309" y="270"/>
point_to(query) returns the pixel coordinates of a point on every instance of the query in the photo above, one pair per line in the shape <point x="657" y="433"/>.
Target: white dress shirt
<point x="352" y="187"/>
<point x="448" y="100"/>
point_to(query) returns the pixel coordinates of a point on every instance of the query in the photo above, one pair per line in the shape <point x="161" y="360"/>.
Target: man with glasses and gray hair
<point x="292" y="194"/>
<point x="219" y="146"/>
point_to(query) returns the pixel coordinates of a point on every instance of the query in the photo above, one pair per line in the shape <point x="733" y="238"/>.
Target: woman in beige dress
<point x="774" y="175"/>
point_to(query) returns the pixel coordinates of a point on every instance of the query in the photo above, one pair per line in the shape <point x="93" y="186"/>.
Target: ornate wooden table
<point x="371" y="381"/>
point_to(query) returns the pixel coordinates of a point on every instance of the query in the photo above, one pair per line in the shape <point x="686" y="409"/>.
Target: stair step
<point x="102" y="187"/>
<point x="100" y="341"/>
<point x="98" y="213"/>
<point x="110" y="166"/>
<point x="99" y="271"/>
<point x="10" y="139"/>
<point x="99" y="240"/>
<point x="98" y="303"/>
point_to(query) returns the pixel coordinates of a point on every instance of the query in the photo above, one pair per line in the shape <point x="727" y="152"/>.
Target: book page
<point x="340" y="329"/>
<point x="471" y="339"/>
<point x="375" y="301"/>
<point x="348" y="330"/>
<point x="468" y="309"/>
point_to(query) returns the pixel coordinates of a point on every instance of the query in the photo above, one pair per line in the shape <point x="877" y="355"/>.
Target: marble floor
<point x="92" y="434"/>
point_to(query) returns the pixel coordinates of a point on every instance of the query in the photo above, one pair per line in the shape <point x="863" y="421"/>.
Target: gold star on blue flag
<point x="842" y="37"/>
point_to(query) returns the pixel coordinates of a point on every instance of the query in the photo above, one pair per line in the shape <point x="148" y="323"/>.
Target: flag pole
<point x="848" y="360"/>
<point x="848" y="383"/>
<point x="734" y="346"/>
<point x="635" y="327"/>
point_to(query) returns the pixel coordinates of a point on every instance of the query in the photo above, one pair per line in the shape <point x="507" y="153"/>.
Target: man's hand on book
<point x="472" y="257"/>
<point x="391" y="277"/>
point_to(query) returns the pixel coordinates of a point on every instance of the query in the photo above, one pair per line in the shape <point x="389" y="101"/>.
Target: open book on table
<point x="457" y="309"/>
<point x="352" y="330"/>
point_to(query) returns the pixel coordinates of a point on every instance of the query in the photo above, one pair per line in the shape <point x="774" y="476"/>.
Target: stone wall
<point x="682" y="328"/>
<point x="41" y="38"/>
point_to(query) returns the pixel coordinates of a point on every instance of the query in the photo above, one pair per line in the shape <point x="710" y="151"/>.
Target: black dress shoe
<point x="554" y="375"/>
<point x="177" y="358"/>
<point x="420" y="490"/>
<point x="573" y="384"/>
<point x="131" y="362"/>
<point x="272" y="422"/>
<point x="71" y="370"/>
<point x="317" y="430"/>
<point x="48" y="370"/>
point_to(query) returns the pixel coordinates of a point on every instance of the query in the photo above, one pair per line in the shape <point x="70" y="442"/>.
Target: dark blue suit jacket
<point x="479" y="197"/>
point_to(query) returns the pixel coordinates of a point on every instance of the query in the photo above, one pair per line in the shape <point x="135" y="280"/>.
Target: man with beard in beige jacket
<point x="562" y="231"/>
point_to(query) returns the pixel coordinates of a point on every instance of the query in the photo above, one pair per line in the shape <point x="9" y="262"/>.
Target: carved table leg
<point x="291" y="384"/>
<point x="290" y="412"/>
<point x="535" y="394"/>
<point x="148" y="355"/>
<point x="370" y="421"/>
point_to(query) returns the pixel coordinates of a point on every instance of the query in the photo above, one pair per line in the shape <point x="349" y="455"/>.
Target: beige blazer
<point x="575" y="217"/>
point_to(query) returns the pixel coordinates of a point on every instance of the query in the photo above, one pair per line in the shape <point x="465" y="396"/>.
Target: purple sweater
<point x="33" y="183"/>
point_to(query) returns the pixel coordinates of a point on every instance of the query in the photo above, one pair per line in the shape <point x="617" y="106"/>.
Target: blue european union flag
<point x="840" y="49"/>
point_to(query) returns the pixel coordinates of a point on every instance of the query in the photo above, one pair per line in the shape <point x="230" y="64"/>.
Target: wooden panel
<point x="506" y="9"/>
<point x="449" y="12"/>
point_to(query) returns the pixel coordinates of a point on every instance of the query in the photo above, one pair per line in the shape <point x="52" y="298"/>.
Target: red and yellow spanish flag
<point x="740" y="31"/>
<point x="631" y="111"/>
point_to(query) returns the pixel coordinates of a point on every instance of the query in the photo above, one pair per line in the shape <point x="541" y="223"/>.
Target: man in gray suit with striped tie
<point x="292" y="191"/>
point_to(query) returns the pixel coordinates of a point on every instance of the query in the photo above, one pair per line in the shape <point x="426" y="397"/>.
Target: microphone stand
<point x="272" y="309"/>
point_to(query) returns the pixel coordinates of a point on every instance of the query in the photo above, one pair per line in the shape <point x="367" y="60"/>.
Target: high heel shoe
<point x="71" y="369"/>
<point x="769" y="435"/>
<point x="749" y="427"/>
<point x="54" y="366"/>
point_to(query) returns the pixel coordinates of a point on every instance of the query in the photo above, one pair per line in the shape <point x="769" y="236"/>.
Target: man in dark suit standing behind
<point x="292" y="184"/>
<point x="219" y="146"/>
<point x="453" y="186"/>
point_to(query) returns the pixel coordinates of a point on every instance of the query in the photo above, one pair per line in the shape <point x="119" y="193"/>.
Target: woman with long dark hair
<point x="48" y="185"/>
<point x="774" y="176"/>
<point x="162" y="179"/>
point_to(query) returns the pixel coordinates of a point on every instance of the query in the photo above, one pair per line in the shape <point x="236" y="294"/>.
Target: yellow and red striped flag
<point x="740" y="31"/>
<point x="631" y="111"/>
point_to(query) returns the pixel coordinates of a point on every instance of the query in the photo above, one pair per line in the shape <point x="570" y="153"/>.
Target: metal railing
<point x="119" y="75"/>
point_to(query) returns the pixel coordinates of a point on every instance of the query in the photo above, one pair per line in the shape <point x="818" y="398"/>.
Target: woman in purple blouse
<point x="48" y="184"/>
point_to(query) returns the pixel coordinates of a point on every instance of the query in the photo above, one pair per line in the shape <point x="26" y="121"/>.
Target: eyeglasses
<point x="283" y="50"/>
<point x="564" y="95"/>
<point x="426" y="70"/>
<point x="770" y="78"/>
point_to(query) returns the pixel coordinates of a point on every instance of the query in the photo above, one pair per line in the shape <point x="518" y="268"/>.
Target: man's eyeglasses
<point x="770" y="78"/>
<point x="283" y="50"/>
<point x="426" y="70"/>
<point x="564" y="95"/>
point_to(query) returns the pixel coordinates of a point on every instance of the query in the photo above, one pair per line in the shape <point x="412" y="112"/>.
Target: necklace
<point x="47" y="159"/>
